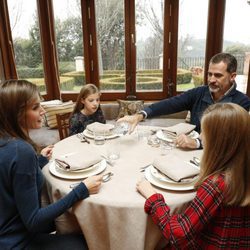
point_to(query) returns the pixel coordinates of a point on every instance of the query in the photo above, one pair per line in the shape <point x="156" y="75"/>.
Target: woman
<point x="219" y="215"/>
<point x="23" y="223"/>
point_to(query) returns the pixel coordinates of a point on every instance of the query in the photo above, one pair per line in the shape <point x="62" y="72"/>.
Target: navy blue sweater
<point x="195" y="100"/>
<point x="21" y="182"/>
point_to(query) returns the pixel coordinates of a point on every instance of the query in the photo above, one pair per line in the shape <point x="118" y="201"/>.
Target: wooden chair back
<point x="63" y="124"/>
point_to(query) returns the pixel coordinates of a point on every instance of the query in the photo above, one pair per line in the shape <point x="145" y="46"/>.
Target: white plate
<point x="99" y="167"/>
<point x="163" y="137"/>
<point x="168" y="185"/>
<point x="162" y="177"/>
<point x="91" y="136"/>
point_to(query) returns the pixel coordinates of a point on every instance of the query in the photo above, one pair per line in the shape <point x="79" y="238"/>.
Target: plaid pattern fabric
<point x="206" y="223"/>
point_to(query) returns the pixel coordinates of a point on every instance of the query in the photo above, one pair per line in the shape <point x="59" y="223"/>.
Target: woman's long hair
<point x="15" y="95"/>
<point x="86" y="90"/>
<point x="226" y="141"/>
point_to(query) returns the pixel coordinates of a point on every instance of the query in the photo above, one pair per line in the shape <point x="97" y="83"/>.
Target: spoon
<point x="106" y="177"/>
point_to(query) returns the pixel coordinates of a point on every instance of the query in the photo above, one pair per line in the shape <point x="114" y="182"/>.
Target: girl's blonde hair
<point x="86" y="90"/>
<point x="226" y="139"/>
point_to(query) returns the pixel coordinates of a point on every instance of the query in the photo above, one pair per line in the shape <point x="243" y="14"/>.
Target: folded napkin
<point x="180" y="128"/>
<point x="175" y="168"/>
<point x="100" y="127"/>
<point x="78" y="160"/>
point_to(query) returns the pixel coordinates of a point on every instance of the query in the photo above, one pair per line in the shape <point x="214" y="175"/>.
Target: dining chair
<point x="63" y="124"/>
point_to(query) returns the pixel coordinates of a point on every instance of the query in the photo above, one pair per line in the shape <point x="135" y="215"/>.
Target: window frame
<point x="214" y="43"/>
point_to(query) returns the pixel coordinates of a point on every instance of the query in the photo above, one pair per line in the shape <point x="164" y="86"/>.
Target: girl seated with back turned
<point x="24" y="224"/>
<point x="219" y="215"/>
<point x="87" y="109"/>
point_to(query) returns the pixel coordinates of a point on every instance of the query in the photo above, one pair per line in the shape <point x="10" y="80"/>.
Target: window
<point x="69" y="44"/>
<point x="191" y="43"/>
<point x="238" y="42"/>
<point x="149" y="45"/>
<point x="130" y="49"/>
<point x="26" y="41"/>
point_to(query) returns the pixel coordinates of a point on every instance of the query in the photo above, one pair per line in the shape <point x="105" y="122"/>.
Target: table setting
<point x="99" y="216"/>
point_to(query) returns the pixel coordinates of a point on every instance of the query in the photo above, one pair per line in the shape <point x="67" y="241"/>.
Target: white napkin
<point x="100" y="127"/>
<point x="175" y="168"/>
<point x="180" y="128"/>
<point x="78" y="160"/>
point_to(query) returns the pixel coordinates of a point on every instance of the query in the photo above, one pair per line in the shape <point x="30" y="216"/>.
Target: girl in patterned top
<point x="219" y="215"/>
<point x="87" y="109"/>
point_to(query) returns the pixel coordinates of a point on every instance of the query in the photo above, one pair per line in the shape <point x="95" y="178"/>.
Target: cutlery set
<point x="83" y="138"/>
<point x="106" y="177"/>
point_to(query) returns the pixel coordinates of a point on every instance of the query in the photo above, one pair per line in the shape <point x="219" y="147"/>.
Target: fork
<point x="83" y="138"/>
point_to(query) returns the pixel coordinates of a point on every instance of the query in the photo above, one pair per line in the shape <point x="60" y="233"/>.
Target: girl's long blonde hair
<point x="226" y="141"/>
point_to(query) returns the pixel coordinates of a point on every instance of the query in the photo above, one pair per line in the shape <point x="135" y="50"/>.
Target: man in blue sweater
<point x="221" y="87"/>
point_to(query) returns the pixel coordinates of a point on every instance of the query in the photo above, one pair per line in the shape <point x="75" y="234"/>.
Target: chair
<point x="63" y="124"/>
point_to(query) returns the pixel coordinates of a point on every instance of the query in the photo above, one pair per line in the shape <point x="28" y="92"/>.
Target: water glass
<point x="143" y="133"/>
<point x="113" y="150"/>
<point x="166" y="146"/>
<point x="99" y="137"/>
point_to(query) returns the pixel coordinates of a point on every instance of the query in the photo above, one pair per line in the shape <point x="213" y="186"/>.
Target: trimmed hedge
<point x="113" y="80"/>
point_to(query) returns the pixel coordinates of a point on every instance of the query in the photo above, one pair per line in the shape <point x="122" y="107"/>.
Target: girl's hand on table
<point x="145" y="188"/>
<point x="47" y="152"/>
<point x="93" y="183"/>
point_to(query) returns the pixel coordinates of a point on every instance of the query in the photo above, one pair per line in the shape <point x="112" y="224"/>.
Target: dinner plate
<point x="162" y="136"/>
<point x="91" y="136"/>
<point x="72" y="175"/>
<point x="168" y="185"/>
<point x="163" y="178"/>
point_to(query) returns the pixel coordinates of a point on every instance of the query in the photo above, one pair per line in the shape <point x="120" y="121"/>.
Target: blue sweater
<point x="21" y="182"/>
<point x="195" y="100"/>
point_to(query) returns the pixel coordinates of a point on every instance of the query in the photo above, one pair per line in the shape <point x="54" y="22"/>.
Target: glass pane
<point x="69" y="43"/>
<point x="149" y="44"/>
<point x="111" y="44"/>
<point x="238" y="41"/>
<point x="191" y="43"/>
<point x="26" y="40"/>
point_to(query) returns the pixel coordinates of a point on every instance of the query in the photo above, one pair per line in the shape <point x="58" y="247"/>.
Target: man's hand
<point x="185" y="142"/>
<point x="133" y="120"/>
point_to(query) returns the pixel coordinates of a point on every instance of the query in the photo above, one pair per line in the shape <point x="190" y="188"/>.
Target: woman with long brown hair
<point x="24" y="224"/>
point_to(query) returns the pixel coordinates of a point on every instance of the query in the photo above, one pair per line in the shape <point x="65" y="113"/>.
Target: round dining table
<point x="114" y="218"/>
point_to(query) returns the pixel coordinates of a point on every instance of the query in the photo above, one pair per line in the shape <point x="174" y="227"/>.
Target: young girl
<point x="87" y="109"/>
<point x="24" y="224"/>
<point x="219" y="215"/>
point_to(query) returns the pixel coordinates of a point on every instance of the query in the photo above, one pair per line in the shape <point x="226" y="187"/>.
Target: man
<point x="221" y="87"/>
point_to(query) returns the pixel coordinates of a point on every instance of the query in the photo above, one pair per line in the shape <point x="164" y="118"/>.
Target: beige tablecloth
<point x="115" y="218"/>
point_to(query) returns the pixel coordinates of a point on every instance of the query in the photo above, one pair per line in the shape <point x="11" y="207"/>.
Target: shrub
<point x="198" y="80"/>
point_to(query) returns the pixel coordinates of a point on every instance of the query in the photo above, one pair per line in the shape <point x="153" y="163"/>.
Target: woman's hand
<point x="145" y="188"/>
<point x="47" y="152"/>
<point x="93" y="183"/>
